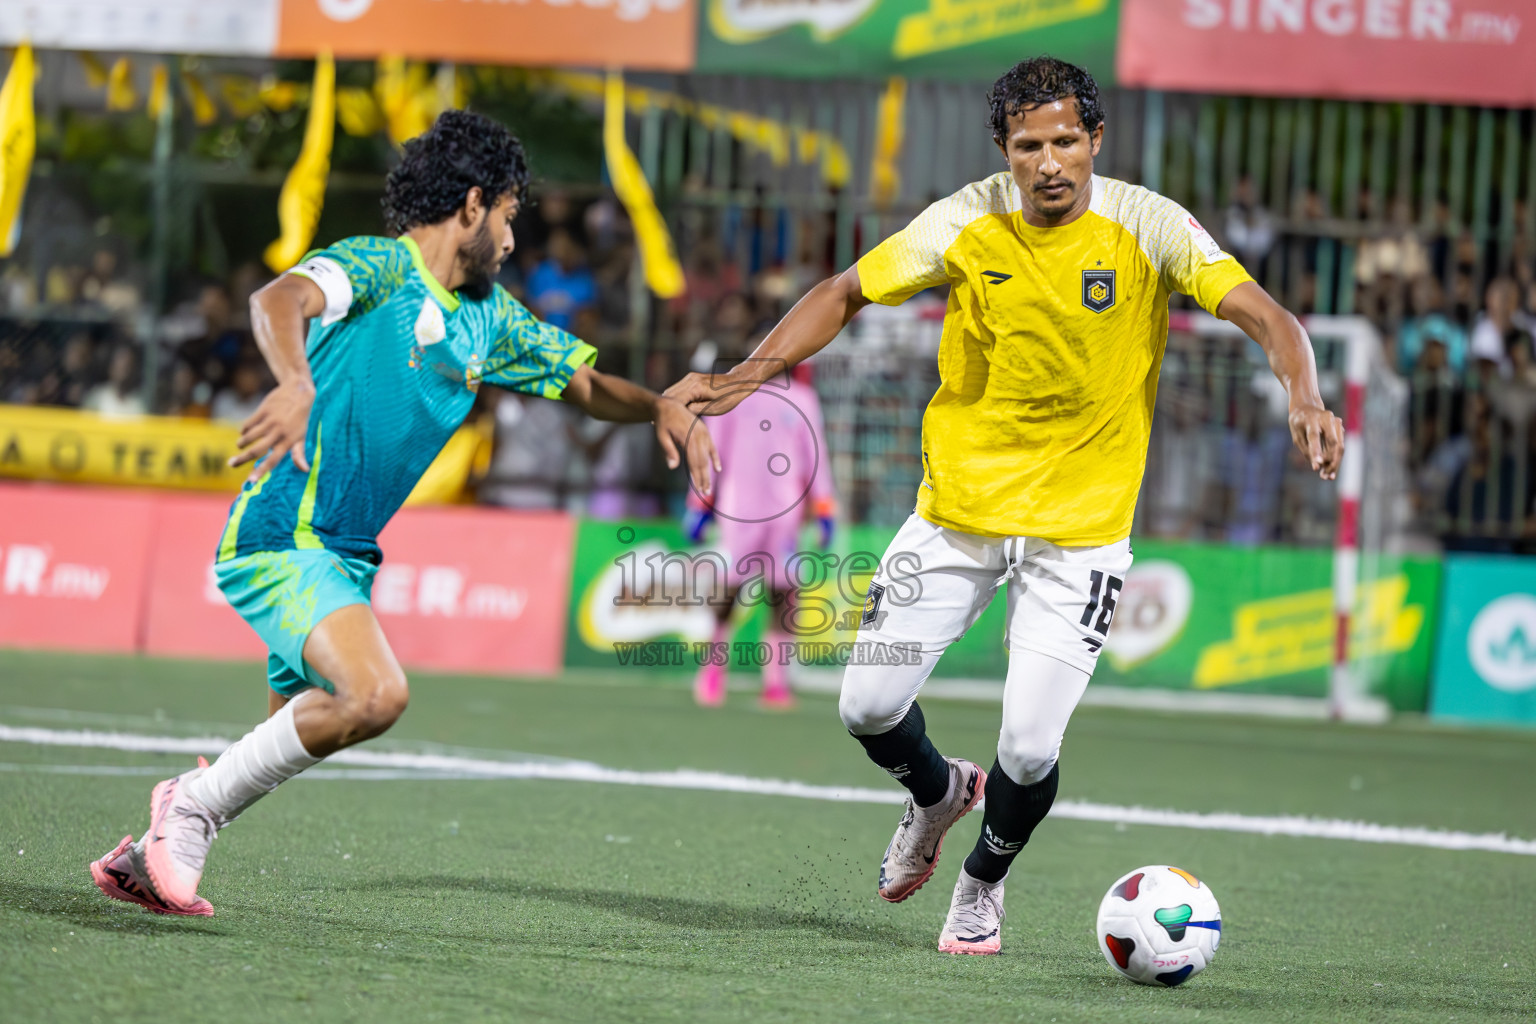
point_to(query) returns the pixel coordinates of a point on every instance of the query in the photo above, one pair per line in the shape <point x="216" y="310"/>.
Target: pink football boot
<point x="121" y="875"/>
<point x="176" y="845"/>
<point x="776" y="695"/>
<point x="709" y="686"/>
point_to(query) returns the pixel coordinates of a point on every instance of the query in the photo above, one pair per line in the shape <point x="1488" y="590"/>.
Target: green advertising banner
<point x="1250" y="620"/>
<point x="956" y="39"/>
<point x="639" y="596"/>
<point x="1485" y="661"/>
<point x="1260" y="620"/>
<point x="1189" y="617"/>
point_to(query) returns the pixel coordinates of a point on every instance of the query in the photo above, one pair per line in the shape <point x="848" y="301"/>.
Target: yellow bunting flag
<point x="299" y="204"/>
<point x="159" y="91"/>
<point x="778" y="140"/>
<point x="278" y="95"/>
<point x="405" y="97"/>
<point x="769" y="136"/>
<point x="95" y="70"/>
<point x="204" y="110"/>
<point x="358" y="112"/>
<point x="657" y="256"/>
<point x="835" y="165"/>
<point x="774" y="138"/>
<point x="884" y="177"/>
<point x="121" y="95"/>
<point x="18" y="141"/>
<point x="242" y="95"/>
<point x="807" y="146"/>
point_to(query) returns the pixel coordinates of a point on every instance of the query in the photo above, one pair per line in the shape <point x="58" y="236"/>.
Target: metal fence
<point x="875" y="381"/>
<point x="1451" y="191"/>
<point x="1221" y="466"/>
<point x="1340" y="204"/>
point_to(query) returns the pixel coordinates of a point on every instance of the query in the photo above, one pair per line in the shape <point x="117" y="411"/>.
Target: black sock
<point x="908" y="757"/>
<point x="1011" y="815"/>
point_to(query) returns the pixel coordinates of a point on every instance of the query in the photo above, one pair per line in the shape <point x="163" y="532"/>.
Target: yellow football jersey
<point x="1050" y="353"/>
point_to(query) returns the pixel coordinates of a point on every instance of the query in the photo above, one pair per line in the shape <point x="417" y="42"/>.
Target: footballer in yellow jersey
<point x="1033" y="447"/>
<point x="1049" y="358"/>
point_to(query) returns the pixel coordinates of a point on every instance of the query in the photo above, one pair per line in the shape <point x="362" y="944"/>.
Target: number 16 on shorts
<point x="1102" y="592"/>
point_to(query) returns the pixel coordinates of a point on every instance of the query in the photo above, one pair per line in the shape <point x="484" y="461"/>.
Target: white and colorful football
<point x="1159" y="925"/>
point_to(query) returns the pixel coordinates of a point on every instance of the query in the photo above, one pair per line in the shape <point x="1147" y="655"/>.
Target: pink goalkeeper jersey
<point x="775" y="473"/>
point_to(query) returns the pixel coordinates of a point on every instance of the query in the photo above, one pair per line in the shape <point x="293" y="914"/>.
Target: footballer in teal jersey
<point x="378" y="346"/>
<point x="396" y="360"/>
<point x="387" y="321"/>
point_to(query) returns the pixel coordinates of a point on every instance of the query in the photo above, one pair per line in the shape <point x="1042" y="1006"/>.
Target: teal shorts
<point x="284" y="595"/>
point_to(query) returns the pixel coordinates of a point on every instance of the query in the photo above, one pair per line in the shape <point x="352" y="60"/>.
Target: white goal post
<point x="1366" y="392"/>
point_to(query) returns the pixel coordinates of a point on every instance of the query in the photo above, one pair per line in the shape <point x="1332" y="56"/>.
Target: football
<point x="1159" y="925"/>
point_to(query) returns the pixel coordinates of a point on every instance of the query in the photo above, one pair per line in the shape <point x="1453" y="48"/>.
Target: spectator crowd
<point x="1220" y="467"/>
<point x="1457" y="316"/>
<point x="75" y="337"/>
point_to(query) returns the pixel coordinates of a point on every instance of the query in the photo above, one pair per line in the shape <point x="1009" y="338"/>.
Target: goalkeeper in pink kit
<point x="774" y="476"/>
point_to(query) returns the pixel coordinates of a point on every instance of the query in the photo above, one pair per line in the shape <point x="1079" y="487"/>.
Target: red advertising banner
<point x="1446" y="51"/>
<point x="461" y="589"/>
<point x="187" y="615"/>
<point x="72" y="567"/>
<point x="476" y="590"/>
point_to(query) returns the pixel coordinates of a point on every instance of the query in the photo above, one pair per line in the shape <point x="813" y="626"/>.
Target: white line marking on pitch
<point x="687" y="778"/>
<point x="327" y="774"/>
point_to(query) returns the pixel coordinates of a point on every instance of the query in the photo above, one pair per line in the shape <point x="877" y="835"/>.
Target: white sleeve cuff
<point x="334" y="285"/>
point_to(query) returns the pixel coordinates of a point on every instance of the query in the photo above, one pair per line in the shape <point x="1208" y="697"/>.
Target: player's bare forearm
<point x="606" y="397"/>
<point x="280" y="314"/>
<point x="1280" y="335"/>
<point x="613" y="399"/>
<point x="1317" y="432"/>
<point x="805" y="330"/>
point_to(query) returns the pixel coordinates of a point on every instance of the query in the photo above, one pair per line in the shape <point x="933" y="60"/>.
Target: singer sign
<point x="1448" y="51"/>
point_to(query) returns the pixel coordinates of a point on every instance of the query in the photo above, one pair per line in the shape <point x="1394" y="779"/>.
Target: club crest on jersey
<point x="1098" y="289"/>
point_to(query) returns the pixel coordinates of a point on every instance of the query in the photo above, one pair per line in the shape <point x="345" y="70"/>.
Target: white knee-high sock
<point x="253" y="766"/>
<point x="1039" y="697"/>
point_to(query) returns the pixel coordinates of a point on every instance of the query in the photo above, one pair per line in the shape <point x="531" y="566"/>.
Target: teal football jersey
<point x="396" y="361"/>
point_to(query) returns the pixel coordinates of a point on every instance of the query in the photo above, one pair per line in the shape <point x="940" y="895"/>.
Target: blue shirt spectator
<point x="1430" y="323"/>
<point x="562" y="285"/>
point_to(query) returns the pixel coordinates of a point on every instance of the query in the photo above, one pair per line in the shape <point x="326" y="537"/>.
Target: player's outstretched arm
<point x="280" y="313"/>
<point x="1317" y="432"/>
<point x="805" y="330"/>
<point x="606" y="397"/>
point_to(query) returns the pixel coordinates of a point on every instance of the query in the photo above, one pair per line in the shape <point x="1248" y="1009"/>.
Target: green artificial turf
<point x="469" y="900"/>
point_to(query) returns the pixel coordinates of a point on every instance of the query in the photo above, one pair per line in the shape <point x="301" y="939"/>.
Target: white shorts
<point x="934" y="583"/>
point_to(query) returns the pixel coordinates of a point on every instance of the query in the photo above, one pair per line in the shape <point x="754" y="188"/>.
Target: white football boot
<point x="975" y="921"/>
<point x="913" y="854"/>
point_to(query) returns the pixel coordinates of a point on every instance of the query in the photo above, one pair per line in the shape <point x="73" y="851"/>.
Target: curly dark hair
<point x="1037" y="81"/>
<point x="440" y="166"/>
